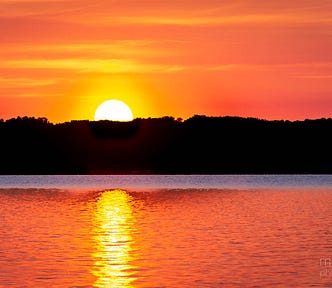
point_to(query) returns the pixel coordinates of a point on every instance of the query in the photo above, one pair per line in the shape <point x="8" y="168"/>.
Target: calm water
<point x="165" y="231"/>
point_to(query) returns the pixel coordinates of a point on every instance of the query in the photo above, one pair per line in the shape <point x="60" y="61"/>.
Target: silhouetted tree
<point x="199" y="144"/>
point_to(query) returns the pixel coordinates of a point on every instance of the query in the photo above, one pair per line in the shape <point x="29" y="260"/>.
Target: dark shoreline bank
<point x="199" y="145"/>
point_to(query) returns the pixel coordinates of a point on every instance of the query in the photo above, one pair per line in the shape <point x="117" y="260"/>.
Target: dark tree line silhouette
<point x="199" y="145"/>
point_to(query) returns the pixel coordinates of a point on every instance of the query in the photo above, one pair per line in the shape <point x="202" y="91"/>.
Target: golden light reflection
<point x="114" y="228"/>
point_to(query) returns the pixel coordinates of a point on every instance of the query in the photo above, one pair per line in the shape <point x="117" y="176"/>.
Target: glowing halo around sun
<point x="113" y="110"/>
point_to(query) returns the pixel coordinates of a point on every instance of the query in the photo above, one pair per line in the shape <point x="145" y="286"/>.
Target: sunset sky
<point x="268" y="59"/>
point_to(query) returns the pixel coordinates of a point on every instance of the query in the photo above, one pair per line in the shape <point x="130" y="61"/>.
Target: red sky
<point x="266" y="59"/>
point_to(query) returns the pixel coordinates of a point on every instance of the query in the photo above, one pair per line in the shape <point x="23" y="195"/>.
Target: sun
<point x="114" y="110"/>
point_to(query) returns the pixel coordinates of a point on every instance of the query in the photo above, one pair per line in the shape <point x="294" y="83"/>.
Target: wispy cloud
<point x="266" y="67"/>
<point x="40" y="8"/>
<point x="123" y="48"/>
<point x="318" y="77"/>
<point x="228" y="67"/>
<point x="105" y="13"/>
<point x="17" y="94"/>
<point x="118" y="66"/>
<point x="91" y="65"/>
<point x="223" y="20"/>
<point x="25" y="82"/>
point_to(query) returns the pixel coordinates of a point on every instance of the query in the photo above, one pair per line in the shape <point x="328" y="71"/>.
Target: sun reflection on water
<point x="114" y="228"/>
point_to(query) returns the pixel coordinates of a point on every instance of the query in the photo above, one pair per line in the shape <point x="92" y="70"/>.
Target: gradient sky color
<point x="266" y="59"/>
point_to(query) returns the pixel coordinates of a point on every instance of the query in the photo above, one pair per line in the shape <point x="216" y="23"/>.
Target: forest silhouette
<point x="198" y="145"/>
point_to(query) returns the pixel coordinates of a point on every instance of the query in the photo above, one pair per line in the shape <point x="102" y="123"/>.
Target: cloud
<point x="265" y="67"/>
<point x="25" y="82"/>
<point x="186" y="13"/>
<point x="17" y="94"/>
<point x="228" y="67"/>
<point x="41" y="8"/>
<point x="318" y="77"/>
<point x="117" y="66"/>
<point x="129" y="48"/>
<point x="282" y="19"/>
<point x="91" y="65"/>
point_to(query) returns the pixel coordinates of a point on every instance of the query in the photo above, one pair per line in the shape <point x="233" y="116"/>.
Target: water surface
<point x="164" y="181"/>
<point x="255" y="235"/>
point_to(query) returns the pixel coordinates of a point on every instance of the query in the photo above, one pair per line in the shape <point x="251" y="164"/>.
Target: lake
<point x="166" y="231"/>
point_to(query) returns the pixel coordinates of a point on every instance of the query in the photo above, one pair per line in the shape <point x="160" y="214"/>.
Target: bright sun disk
<point x="113" y="110"/>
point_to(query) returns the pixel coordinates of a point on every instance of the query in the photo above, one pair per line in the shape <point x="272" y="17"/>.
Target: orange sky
<point x="266" y="59"/>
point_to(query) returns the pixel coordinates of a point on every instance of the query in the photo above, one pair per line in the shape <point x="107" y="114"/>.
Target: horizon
<point x="267" y="60"/>
<point x="177" y="119"/>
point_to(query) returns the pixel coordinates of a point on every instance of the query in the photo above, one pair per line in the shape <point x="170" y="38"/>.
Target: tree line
<point x="198" y="145"/>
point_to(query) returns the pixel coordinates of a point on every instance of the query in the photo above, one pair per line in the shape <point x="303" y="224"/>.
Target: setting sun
<point x="114" y="110"/>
